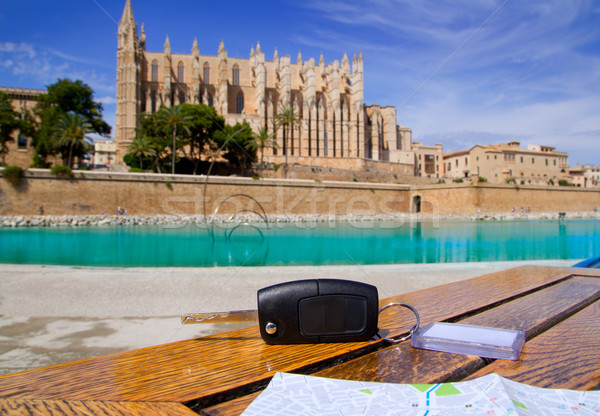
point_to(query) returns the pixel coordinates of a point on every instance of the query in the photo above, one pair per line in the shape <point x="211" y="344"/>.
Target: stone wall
<point x="151" y="194"/>
<point x="488" y="198"/>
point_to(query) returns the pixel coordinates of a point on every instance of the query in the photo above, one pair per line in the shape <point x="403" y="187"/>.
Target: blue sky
<point x="460" y="72"/>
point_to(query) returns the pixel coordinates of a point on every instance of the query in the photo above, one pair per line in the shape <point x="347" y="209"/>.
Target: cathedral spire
<point x="127" y="13"/>
<point x="195" y="49"/>
<point x="167" y="46"/>
<point x="143" y="38"/>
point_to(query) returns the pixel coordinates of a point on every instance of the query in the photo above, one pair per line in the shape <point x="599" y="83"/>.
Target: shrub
<point x="459" y="180"/>
<point x="136" y="170"/>
<point x="482" y="179"/>
<point x="62" y="171"/>
<point x="13" y="175"/>
<point x="564" y="182"/>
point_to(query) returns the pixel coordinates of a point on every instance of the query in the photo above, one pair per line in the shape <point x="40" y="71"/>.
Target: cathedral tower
<point x="129" y="65"/>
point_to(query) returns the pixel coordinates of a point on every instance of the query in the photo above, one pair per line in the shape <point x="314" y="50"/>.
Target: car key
<point x="308" y="311"/>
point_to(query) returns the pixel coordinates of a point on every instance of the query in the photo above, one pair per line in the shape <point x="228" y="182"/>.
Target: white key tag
<point x="481" y="341"/>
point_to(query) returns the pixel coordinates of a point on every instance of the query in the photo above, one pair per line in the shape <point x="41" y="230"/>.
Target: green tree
<point x="151" y="127"/>
<point x="262" y="140"/>
<point x="204" y="123"/>
<point x="234" y="141"/>
<point x="287" y="119"/>
<point x="62" y="97"/>
<point x="9" y="123"/>
<point x="141" y="147"/>
<point x="173" y="119"/>
<point x="71" y="133"/>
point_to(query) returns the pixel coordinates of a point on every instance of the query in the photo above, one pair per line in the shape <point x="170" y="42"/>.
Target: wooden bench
<point x="558" y="309"/>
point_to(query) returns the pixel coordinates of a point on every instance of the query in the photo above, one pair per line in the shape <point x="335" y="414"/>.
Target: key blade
<point x="220" y="317"/>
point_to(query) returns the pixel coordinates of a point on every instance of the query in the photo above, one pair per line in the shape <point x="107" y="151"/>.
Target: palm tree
<point x="71" y="132"/>
<point x="141" y="147"/>
<point x="173" y="118"/>
<point x="262" y="140"/>
<point x="287" y="119"/>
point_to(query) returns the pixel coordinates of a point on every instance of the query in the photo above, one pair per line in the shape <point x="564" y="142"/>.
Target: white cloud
<point x="32" y="68"/>
<point x="18" y="48"/>
<point x="107" y="100"/>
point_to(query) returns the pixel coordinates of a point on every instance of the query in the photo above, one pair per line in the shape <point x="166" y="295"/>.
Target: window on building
<point x="521" y="159"/>
<point x="180" y="72"/>
<point x="466" y="161"/>
<point x="429" y="164"/>
<point x="21" y="141"/>
<point x="153" y="102"/>
<point x="533" y="160"/>
<point x="546" y="162"/>
<point x="239" y="103"/>
<point x="554" y="162"/>
<point x="210" y="100"/>
<point x="206" y="74"/>
<point x="154" y="71"/>
<point x="235" y="76"/>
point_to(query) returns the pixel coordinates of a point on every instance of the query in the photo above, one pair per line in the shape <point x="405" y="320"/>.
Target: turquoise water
<point x="305" y="244"/>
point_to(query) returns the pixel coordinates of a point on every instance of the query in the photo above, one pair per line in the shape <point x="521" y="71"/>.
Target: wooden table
<point x="558" y="309"/>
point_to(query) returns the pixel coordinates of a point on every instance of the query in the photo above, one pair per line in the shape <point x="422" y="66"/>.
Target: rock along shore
<point x="133" y="220"/>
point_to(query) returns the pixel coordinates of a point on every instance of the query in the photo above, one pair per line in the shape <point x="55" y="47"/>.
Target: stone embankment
<point x="133" y="220"/>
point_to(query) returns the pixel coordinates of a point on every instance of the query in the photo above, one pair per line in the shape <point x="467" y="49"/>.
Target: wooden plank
<point x="404" y="364"/>
<point x="532" y="314"/>
<point x="567" y="356"/>
<point x="25" y="407"/>
<point x="229" y="365"/>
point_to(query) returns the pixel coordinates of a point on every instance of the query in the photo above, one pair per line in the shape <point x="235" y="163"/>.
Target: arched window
<point x="153" y="102"/>
<point x="210" y="100"/>
<point x="235" y="76"/>
<point x="239" y="103"/>
<point x="154" y="71"/>
<point x="206" y="73"/>
<point x="180" y="72"/>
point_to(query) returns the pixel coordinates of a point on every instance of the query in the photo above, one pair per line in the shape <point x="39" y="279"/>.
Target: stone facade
<point x="334" y="123"/>
<point x="105" y="152"/>
<point x="536" y="165"/>
<point x="20" y="152"/>
<point x="585" y="176"/>
<point x="429" y="160"/>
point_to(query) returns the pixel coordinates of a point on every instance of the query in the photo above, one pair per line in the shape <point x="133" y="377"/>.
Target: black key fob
<point x="318" y="310"/>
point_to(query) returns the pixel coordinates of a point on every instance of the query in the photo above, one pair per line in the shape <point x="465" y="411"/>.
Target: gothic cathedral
<point x="336" y="128"/>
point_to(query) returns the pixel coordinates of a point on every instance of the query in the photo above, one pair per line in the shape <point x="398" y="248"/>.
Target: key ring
<point x="412" y="330"/>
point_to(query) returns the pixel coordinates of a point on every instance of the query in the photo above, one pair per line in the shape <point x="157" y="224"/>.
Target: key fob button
<point x="332" y="315"/>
